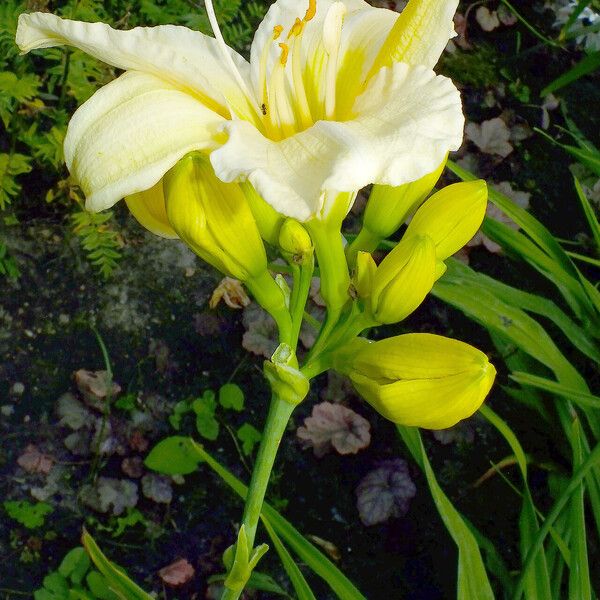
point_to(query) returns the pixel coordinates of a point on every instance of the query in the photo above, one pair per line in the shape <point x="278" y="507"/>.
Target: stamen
<point x="285" y="51"/>
<point x="224" y="49"/>
<point x="282" y="114"/>
<point x="311" y="11"/>
<point x="277" y="31"/>
<point x="332" y="33"/>
<point x="300" y="98"/>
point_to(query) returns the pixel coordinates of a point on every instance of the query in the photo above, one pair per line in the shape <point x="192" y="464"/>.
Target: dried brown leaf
<point x="34" y="461"/>
<point x="334" y="426"/>
<point x="177" y="573"/>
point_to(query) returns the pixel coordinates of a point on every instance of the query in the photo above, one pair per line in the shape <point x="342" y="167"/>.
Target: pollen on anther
<point x="296" y="28"/>
<point x="285" y="50"/>
<point x="277" y="30"/>
<point x="311" y="11"/>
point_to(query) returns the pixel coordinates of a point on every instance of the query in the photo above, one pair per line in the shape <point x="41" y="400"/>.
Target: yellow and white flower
<point x="337" y="95"/>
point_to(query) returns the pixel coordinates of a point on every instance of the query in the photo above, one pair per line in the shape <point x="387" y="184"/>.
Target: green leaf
<point x="577" y="396"/>
<point x="99" y="587"/>
<point x="472" y="580"/>
<point x="205" y="407"/>
<point x="116" y="578"/>
<point x="11" y="165"/>
<point x="300" y="585"/>
<point x="590" y="215"/>
<point x="57" y="585"/>
<point x="176" y="455"/>
<point x="29" y="515"/>
<point x="586" y="65"/>
<point x="75" y="565"/>
<point x="249" y="436"/>
<point x="231" y="396"/>
<point x="579" y="578"/>
<point x="307" y="552"/>
<point x="592" y="461"/>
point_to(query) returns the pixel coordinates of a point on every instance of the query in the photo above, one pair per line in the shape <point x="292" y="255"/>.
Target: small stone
<point x="17" y="389"/>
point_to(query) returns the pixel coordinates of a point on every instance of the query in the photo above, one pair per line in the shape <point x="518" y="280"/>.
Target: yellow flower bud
<point x="295" y="242"/>
<point x="149" y="209"/>
<point x="388" y="207"/>
<point x="364" y="275"/>
<point x="403" y="279"/>
<point x="451" y="217"/>
<point x="268" y="220"/>
<point x="419" y="379"/>
<point x="214" y="218"/>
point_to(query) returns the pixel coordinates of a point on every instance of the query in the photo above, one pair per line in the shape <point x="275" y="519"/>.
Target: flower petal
<point x="405" y="122"/>
<point x="363" y="32"/>
<point x="150" y="211"/>
<point x="420" y="34"/>
<point x="130" y="133"/>
<point x="184" y="58"/>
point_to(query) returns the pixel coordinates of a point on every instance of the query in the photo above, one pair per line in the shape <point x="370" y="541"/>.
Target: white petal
<point x="364" y="30"/>
<point x="404" y="124"/>
<point x="186" y="59"/>
<point x="420" y="34"/>
<point x="130" y="132"/>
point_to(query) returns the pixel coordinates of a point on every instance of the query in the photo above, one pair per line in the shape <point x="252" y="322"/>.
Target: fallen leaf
<point x="460" y="26"/>
<point x="157" y="488"/>
<point x="491" y="137"/>
<point x="96" y="386"/>
<point x="178" y="573"/>
<point x="331" y="549"/>
<point x="133" y="466"/>
<point x="261" y="331"/>
<point x="138" y="442"/>
<point x="72" y="413"/>
<point x="34" y="461"/>
<point x="232" y="292"/>
<point x="385" y="492"/>
<point x="110" y="495"/>
<point x="334" y="425"/>
<point x="506" y="16"/>
<point x="488" y="20"/>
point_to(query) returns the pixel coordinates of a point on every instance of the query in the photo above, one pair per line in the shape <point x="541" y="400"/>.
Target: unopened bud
<point x="294" y="241"/>
<point x="418" y="379"/>
<point x="451" y="217"/>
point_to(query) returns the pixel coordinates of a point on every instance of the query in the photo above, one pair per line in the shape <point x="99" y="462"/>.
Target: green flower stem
<point x="268" y="294"/>
<point x="329" y="248"/>
<point x="365" y="241"/>
<point x="279" y="415"/>
<point x="302" y="279"/>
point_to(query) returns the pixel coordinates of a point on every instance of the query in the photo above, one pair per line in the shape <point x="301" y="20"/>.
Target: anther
<point x="285" y="50"/>
<point x="311" y="11"/>
<point x="296" y="29"/>
<point x="277" y="30"/>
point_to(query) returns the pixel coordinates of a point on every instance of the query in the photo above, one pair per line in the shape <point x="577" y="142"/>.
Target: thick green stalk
<point x="279" y="415"/>
<point x="302" y="279"/>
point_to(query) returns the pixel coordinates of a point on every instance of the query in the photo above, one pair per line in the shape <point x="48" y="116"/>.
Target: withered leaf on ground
<point x="385" y="492"/>
<point x="34" y="461"/>
<point x="334" y="426"/>
<point x="177" y="573"/>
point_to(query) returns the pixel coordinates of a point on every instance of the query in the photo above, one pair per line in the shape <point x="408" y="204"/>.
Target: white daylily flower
<point x="333" y="99"/>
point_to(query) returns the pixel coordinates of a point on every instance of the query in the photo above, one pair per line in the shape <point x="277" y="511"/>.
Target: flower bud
<point x="402" y="280"/>
<point x="149" y="209"/>
<point x="268" y="220"/>
<point x="451" y="217"/>
<point x="388" y="207"/>
<point x="418" y="379"/>
<point x="295" y="243"/>
<point x="214" y="218"/>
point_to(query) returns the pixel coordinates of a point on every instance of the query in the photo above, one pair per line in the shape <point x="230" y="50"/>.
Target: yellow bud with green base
<point x="418" y="379"/>
<point x="400" y="283"/>
<point x="295" y="243"/>
<point x="451" y="217"/>
<point x="388" y="208"/>
<point x="213" y="218"/>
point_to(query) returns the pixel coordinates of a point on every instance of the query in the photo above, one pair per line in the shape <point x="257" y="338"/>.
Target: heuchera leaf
<point x="385" y="492"/>
<point x="334" y="426"/>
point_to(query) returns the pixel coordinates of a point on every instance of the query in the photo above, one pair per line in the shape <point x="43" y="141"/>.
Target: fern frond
<point x="11" y="165"/>
<point x="100" y="242"/>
